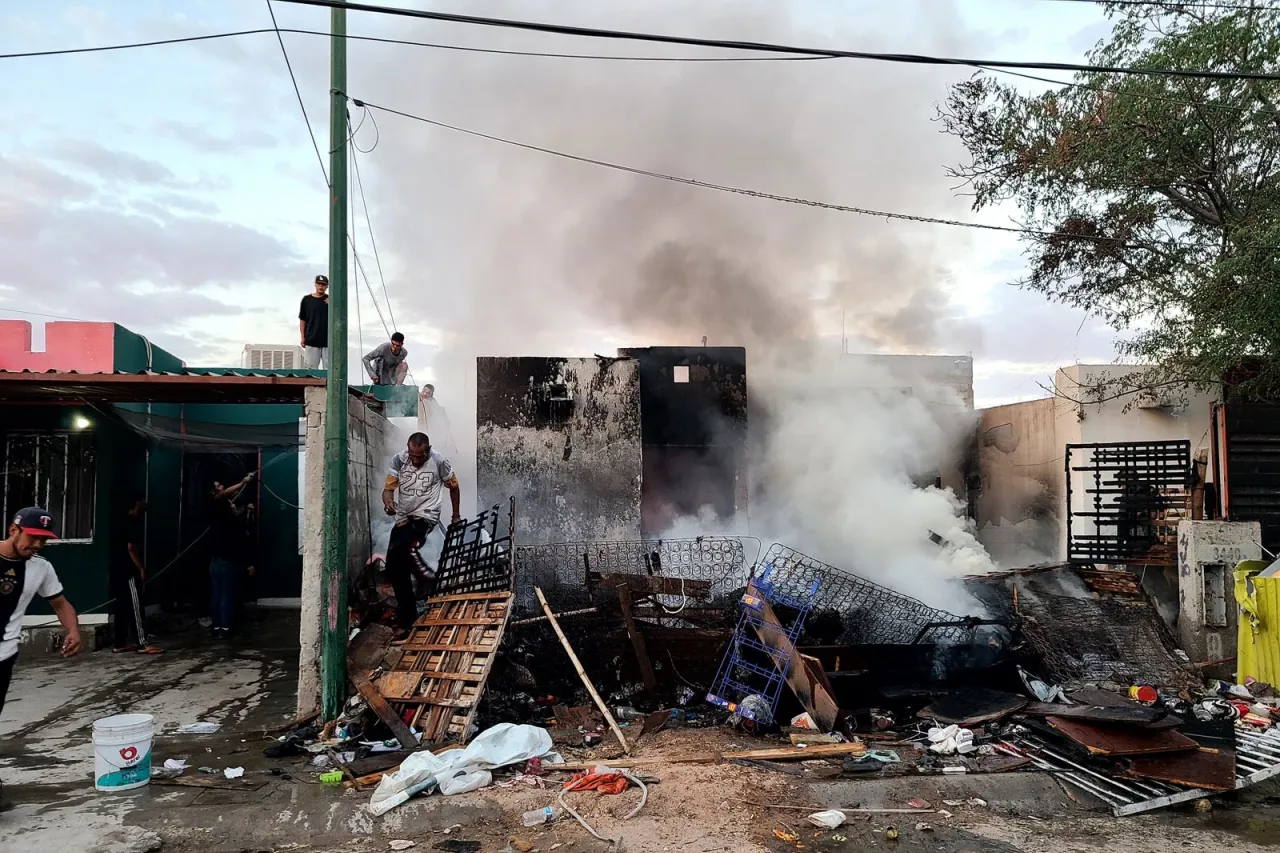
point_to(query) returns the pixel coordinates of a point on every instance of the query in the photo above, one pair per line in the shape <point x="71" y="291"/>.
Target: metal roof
<point x="207" y="385"/>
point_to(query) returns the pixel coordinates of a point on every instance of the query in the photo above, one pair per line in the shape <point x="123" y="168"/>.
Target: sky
<point x="175" y="190"/>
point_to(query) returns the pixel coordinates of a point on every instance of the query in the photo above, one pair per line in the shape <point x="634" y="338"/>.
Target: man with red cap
<point x="23" y="575"/>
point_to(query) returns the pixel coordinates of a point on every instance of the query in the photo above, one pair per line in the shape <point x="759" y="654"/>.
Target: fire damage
<point x="556" y="666"/>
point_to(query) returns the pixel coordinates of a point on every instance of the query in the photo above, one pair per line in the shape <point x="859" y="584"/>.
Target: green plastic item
<point x="333" y="777"/>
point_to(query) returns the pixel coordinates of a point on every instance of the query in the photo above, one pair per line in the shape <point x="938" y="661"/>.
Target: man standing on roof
<point x="23" y="575"/>
<point x="386" y="364"/>
<point x="414" y="493"/>
<point x="127" y="574"/>
<point x="313" y="324"/>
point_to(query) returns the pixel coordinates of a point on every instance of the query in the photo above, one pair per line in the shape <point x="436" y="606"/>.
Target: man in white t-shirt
<point x="414" y="494"/>
<point x="23" y="575"/>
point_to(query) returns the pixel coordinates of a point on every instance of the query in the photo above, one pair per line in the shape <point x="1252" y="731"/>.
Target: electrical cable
<point x="377" y="258"/>
<point x="769" y="47"/>
<point x="1165" y="4"/>
<point x="693" y="182"/>
<point x="298" y="92"/>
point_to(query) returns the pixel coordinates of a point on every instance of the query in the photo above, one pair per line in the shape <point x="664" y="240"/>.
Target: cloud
<point x="122" y="167"/>
<point x="202" y="140"/>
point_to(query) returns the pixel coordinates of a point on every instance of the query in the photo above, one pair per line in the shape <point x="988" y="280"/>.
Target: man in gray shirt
<point x="386" y="364"/>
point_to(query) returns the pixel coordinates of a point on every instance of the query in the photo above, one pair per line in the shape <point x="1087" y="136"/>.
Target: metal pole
<point x="333" y="659"/>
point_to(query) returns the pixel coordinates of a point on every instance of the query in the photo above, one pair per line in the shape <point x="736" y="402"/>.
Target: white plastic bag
<point x="417" y="773"/>
<point x="828" y="819"/>
<point x="462" y="781"/>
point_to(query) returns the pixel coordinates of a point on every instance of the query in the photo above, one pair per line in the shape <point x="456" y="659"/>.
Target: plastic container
<point x="122" y="751"/>
<point x="541" y="816"/>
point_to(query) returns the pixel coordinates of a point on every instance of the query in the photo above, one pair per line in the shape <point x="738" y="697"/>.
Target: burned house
<point x="613" y="448"/>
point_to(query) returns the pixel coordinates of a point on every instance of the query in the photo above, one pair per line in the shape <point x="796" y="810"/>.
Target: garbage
<point x="401" y="845"/>
<point x="923" y="827"/>
<point x="602" y="779"/>
<point x="804" y="721"/>
<point x="519" y="844"/>
<point x="457" y="845"/>
<point x="951" y="740"/>
<point x="829" y="819"/>
<point x="537" y="817"/>
<point x="919" y="804"/>
<point x="233" y="772"/>
<point x="463" y="781"/>
<point x="198" y="728"/>
<point x="1043" y="691"/>
<point x="891" y="834"/>
<point x="786" y="834"/>
<point x="175" y="765"/>
<point x="333" y="777"/>
<point x="498" y="746"/>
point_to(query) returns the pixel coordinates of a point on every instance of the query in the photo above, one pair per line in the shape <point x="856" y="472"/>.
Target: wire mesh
<point x="562" y="569"/>
<point x="1083" y="634"/>
<point x="868" y="612"/>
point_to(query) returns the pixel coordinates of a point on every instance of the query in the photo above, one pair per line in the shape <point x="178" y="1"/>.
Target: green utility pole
<point x="333" y="660"/>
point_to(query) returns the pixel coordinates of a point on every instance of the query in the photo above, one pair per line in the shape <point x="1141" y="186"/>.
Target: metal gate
<point x="1125" y="499"/>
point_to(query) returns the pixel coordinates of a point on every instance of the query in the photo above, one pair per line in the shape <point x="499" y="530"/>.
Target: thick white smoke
<point x="503" y="251"/>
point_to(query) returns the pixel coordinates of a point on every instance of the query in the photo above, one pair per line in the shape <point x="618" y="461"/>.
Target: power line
<point x="407" y="42"/>
<point x="768" y="47"/>
<point x="355" y="164"/>
<point x="883" y="214"/>
<point x="302" y="106"/>
<point x="1170" y="4"/>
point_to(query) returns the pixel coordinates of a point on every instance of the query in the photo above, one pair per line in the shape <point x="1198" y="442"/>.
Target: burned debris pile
<point x="571" y="658"/>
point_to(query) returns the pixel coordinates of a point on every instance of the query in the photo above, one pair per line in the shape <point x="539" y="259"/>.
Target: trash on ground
<point x="829" y="819"/>
<point x="400" y="844"/>
<point x="233" y="772"/>
<point x="198" y="728"/>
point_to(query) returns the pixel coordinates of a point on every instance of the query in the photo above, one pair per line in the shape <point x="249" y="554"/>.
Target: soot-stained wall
<point x="693" y="424"/>
<point x="563" y="436"/>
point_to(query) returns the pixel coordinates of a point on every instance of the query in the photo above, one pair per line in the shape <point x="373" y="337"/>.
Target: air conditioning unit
<point x="272" y="357"/>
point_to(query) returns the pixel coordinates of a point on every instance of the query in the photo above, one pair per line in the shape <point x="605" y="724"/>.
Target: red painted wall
<point x="79" y="347"/>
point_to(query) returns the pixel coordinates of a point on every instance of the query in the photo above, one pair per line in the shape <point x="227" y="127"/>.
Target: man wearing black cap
<point x="313" y="324"/>
<point x="23" y="575"/>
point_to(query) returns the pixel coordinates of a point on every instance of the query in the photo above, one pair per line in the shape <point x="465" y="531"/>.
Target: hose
<point x="615" y="843"/>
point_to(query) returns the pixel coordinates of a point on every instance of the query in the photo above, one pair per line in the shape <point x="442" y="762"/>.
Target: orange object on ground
<point x="605" y="783"/>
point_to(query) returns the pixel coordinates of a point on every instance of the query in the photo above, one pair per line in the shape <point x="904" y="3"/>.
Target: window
<point x="55" y="471"/>
<point x="680" y="373"/>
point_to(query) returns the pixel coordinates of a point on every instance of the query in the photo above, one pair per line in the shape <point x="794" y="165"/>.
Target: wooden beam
<point x="637" y="640"/>
<point x="383" y="711"/>
<point x="787" y="658"/>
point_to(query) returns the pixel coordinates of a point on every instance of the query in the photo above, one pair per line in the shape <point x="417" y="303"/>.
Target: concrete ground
<point x="247" y="686"/>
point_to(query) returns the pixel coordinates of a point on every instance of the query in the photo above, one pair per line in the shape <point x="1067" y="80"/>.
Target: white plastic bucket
<point x="122" y="751"/>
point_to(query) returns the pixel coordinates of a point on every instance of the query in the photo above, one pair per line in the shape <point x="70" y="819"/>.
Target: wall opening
<point x="1215" y="595"/>
<point x="680" y="373"/>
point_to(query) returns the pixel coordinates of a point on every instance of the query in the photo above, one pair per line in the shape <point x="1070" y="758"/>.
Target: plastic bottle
<point x="540" y="816"/>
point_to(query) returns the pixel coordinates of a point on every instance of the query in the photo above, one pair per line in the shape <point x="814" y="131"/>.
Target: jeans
<point x="316" y="355"/>
<point x="222" y="588"/>
<point x="6" y="673"/>
<point x="404" y="541"/>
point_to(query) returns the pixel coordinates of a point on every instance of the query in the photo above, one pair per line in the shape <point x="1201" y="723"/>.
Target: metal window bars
<point x="1125" y="499"/>
<point x="478" y="555"/>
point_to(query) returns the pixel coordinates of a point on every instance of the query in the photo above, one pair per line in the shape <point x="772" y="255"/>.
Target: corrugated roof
<point x="189" y="371"/>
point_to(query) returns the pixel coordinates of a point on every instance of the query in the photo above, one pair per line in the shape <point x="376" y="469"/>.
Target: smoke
<point x="503" y="251"/>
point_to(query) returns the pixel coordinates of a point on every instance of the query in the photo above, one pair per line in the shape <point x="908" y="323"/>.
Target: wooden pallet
<point x="446" y="662"/>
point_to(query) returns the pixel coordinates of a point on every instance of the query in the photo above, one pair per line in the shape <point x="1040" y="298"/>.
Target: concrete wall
<point x="1208" y="553"/>
<point x="1021" y="510"/>
<point x="563" y="436"/>
<point x="367" y="430"/>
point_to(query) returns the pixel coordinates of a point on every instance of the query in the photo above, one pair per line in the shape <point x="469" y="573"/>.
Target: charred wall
<point x="563" y="435"/>
<point x="693" y="426"/>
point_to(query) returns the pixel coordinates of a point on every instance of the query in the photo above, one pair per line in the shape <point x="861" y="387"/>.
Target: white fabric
<point x="40" y="578"/>
<point x="498" y="746"/>
<point x="419" y="491"/>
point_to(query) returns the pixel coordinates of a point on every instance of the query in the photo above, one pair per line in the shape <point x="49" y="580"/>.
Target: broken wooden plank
<point x="1131" y="715"/>
<point x="1211" y="769"/>
<point x="798" y="753"/>
<point x="812" y="695"/>
<point x="378" y="762"/>
<point x="637" y="640"/>
<point x="383" y="711"/>
<point x="812" y="739"/>
<point x="972" y="707"/>
<point x="1121" y="741"/>
<point x="577" y="665"/>
<point x="579" y="766"/>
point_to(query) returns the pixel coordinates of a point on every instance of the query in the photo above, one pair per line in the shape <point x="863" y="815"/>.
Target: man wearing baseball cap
<point x="313" y="324"/>
<point x="23" y="575"/>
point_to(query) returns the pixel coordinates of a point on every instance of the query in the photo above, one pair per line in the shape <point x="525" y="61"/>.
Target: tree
<point x="1154" y="200"/>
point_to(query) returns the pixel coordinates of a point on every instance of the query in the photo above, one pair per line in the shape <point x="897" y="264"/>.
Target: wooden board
<point x="1211" y="769"/>
<point x="384" y="712"/>
<point x="972" y="707"/>
<point x="637" y="640"/>
<point x="798" y="753"/>
<point x="1130" y="715"/>
<point x="210" y="781"/>
<point x="447" y="659"/>
<point x="1119" y="741"/>
<point x="813" y="697"/>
